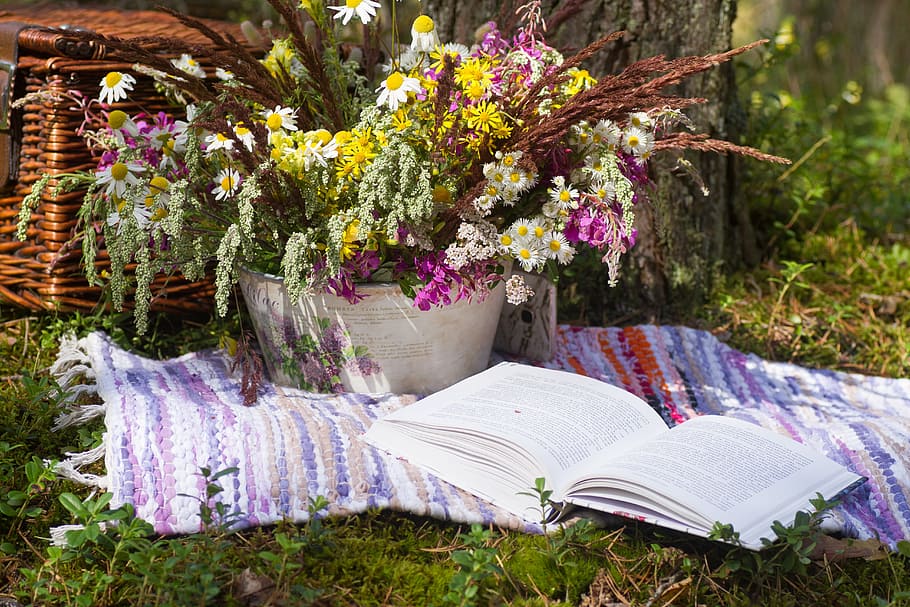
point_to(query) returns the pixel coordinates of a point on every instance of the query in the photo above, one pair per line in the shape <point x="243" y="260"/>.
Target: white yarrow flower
<point x="517" y="291"/>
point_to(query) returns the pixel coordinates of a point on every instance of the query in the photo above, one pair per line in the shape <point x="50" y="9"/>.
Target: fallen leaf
<point x="835" y="549"/>
<point x="251" y="588"/>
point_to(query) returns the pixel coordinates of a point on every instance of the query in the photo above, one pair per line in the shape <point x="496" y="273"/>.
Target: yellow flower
<point x="483" y="117"/>
<point x="355" y="155"/>
<point x="400" y="120"/>
<point x="475" y="91"/>
<point x="580" y="80"/>
<point x="349" y="239"/>
<point x="474" y="70"/>
<point x="442" y="194"/>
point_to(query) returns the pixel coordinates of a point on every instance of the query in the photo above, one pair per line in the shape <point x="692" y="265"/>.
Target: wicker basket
<point x="44" y="272"/>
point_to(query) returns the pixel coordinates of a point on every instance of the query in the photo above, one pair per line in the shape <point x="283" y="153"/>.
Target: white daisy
<point x="456" y="49"/>
<point x="364" y="9"/>
<point x="423" y="35"/>
<point x="580" y="135"/>
<point x="607" y="131"/>
<point x="528" y="253"/>
<point x="558" y="247"/>
<point x="603" y="189"/>
<point x="519" y="180"/>
<point x="505" y="242"/>
<point x="563" y="194"/>
<point x="640" y="120"/>
<point x="280" y="118"/>
<point x="157" y="198"/>
<point x="141" y="214"/>
<point x="637" y="141"/>
<point x="223" y="74"/>
<point x="118" y="177"/>
<point x="319" y="149"/>
<point x="245" y="136"/>
<point x="189" y="65"/>
<point x="165" y="142"/>
<point x="115" y="86"/>
<point x="484" y="204"/>
<point x="508" y="159"/>
<point x="593" y="165"/>
<point x="495" y="172"/>
<point x="394" y="90"/>
<point x="493" y="190"/>
<point x="551" y="210"/>
<point x="218" y="141"/>
<point x="226" y="183"/>
<point x="408" y="59"/>
<point x="522" y="228"/>
<point x="119" y="120"/>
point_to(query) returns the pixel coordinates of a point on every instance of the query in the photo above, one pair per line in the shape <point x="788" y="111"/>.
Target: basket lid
<point x="49" y="24"/>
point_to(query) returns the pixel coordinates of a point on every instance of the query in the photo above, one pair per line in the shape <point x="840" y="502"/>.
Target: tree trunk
<point x="684" y="236"/>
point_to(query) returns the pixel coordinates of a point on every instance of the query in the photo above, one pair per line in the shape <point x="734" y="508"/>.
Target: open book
<point x="601" y="447"/>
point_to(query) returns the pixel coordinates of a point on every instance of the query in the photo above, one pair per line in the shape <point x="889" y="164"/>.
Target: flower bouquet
<point x="430" y="164"/>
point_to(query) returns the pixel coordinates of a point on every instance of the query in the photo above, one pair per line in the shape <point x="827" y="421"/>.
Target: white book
<point x="601" y="447"/>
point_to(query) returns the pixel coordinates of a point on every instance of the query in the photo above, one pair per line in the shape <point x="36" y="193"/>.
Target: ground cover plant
<point x="832" y="291"/>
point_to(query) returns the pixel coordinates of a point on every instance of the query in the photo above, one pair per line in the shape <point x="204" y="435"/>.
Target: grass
<point x="832" y="291"/>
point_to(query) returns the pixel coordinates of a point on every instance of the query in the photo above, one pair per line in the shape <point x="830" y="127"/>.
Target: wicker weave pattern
<point x="44" y="272"/>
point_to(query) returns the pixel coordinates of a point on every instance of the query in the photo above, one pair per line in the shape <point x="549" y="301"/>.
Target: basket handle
<point x="9" y="136"/>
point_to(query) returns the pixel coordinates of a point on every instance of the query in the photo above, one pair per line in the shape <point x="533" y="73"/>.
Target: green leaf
<point x="16" y="497"/>
<point x="463" y="558"/>
<point x="225" y="472"/>
<point x="74" y="505"/>
<point x="903" y="548"/>
<point x="97" y="505"/>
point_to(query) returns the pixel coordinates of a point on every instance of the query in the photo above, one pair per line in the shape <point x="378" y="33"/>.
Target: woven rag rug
<point x="167" y="420"/>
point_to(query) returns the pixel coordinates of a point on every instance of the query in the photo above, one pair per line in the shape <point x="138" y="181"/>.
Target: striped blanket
<point x="167" y="420"/>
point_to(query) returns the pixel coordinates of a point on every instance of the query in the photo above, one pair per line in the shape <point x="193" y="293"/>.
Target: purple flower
<point x="333" y="339"/>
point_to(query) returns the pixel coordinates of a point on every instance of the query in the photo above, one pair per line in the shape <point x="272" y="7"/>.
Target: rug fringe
<point x="73" y="363"/>
<point x="70" y="467"/>
<point x="58" y="533"/>
<point x="76" y="416"/>
<point x="75" y="374"/>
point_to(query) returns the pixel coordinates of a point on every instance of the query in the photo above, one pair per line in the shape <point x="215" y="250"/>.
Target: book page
<point x="725" y="470"/>
<point x="558" y="418"/>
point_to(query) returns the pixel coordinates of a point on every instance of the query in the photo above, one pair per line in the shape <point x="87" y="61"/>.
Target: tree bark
<point x="684" y="236"/>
